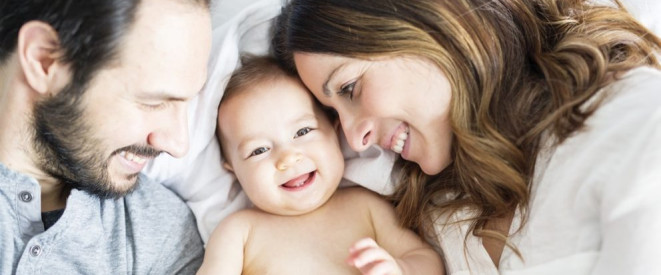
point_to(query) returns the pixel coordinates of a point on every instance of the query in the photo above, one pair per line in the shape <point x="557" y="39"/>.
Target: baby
<point x="285" y="153"/>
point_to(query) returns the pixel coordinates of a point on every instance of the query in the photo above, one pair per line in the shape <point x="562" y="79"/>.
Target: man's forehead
<point x="167" y="47"/>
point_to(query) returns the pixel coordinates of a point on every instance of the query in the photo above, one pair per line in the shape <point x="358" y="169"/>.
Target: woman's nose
<point x="359" y="133"/>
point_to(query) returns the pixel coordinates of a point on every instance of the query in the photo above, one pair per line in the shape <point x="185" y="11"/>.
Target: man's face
<point x="132" y="109"/>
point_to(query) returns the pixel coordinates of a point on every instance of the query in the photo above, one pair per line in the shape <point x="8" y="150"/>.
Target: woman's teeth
<point x="398" y="145"/>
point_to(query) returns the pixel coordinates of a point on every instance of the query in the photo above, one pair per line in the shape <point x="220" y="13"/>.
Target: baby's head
<point x="277" y="140"/>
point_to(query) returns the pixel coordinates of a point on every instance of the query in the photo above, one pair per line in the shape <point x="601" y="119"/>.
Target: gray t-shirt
<point x="150" y="231"/>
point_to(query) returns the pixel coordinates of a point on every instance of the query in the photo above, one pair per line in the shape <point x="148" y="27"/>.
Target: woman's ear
<point x="38" y="50"/>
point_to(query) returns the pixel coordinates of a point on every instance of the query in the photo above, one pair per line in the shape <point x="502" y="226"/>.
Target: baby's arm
<point x="224" y="251"/>
<point x="399" y="250"/>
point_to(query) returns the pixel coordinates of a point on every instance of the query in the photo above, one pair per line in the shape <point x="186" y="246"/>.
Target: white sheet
<point x="210" y="191"/>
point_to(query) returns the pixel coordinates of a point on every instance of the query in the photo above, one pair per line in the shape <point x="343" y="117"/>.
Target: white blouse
<point x="595" y="206"/>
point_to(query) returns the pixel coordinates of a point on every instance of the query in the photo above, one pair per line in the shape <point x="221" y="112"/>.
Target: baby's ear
<point x="228" y="166"/>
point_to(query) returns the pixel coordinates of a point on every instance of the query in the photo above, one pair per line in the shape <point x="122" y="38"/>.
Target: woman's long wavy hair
<point x="519" y="70"/>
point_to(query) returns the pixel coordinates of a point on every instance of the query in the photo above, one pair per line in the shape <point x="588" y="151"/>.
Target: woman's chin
<point x="434" y="168"/>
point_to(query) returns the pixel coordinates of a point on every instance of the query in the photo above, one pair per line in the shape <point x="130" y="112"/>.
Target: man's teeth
<point x="399" y="142"/>
<point x="132" y="157"/>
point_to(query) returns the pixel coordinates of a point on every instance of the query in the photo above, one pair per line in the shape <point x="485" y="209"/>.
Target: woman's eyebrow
<point x="325" y="88"/>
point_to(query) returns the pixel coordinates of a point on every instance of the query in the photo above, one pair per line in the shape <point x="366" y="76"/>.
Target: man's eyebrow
<point x="162" y="95"/>
<point x="325" y="88"/>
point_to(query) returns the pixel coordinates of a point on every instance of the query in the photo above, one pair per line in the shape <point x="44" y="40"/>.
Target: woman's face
<point x="400" y="104"/>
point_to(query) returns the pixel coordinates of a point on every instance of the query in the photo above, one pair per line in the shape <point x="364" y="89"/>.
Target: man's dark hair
<point x="89" y="31"/>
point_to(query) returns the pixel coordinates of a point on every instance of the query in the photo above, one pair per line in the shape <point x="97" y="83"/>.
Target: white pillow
<point x="212" y="192"/>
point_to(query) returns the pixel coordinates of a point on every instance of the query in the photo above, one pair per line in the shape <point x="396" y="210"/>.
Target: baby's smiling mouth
<point x="300" y="181"/>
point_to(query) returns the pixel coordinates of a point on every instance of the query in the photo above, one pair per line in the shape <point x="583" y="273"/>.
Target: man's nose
<point x="171" y="135"/>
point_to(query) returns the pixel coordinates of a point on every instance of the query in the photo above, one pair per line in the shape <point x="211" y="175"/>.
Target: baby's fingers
<point x="363" y="244"/>
<point x="381" y="268"/>
<point x="369" y="258"/>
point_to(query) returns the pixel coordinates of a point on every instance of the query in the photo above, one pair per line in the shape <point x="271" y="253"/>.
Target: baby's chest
<point x="304" y="248"/>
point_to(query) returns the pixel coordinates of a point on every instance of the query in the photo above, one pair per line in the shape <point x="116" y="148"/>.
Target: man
<point x="90" y="91"/>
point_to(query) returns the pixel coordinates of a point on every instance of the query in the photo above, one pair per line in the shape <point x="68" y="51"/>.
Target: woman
<point x="528" y="130"/>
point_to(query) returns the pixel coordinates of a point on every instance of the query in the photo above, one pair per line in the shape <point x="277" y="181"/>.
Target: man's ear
<point x="228" y="166"/>
<point x="38" y="51"/>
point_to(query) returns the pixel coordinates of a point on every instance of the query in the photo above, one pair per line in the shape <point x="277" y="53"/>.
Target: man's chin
<point x="124" y="185"/>
<point x="115" y="189"/>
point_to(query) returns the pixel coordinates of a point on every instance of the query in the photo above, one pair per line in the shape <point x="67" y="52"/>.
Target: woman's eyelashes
<point x="347" y="90"/>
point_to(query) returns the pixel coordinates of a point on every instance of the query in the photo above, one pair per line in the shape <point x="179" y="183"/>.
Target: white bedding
<point x="209" y="190"/>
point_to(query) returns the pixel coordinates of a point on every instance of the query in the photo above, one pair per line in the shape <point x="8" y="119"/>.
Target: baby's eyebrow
<point x="304" y="118"/>
<point x="245" y="144"/>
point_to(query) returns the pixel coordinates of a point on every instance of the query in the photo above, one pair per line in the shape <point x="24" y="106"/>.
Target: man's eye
<point x="347" y="90"/>
<point x="303" y="131"/>
<point x="154" y="107"/>
<point x="259" y="151"/>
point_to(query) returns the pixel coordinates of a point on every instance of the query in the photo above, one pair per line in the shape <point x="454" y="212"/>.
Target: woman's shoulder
<point x="617" y="139"/>
<point x="631" y="104"/>
<point x="639" y="90"/>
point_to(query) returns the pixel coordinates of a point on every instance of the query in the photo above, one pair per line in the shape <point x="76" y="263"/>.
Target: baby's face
<point x="282" y="149"/>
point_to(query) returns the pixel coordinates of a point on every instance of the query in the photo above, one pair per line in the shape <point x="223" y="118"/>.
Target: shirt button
<point x="25" y="196"/>
<point x="35" y="250"/>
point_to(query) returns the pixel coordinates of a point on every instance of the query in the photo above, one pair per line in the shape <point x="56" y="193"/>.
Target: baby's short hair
<point x="254" y="70"/>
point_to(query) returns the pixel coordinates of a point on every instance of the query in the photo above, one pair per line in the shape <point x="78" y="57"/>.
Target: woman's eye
<point x="347" y="90"/>
<point x="303" y="131"/>
<point x="259" y="151"/>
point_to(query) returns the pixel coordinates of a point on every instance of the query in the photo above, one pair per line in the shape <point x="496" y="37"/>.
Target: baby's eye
<point x="259" y="151"/>
<point x="303" y="131"/>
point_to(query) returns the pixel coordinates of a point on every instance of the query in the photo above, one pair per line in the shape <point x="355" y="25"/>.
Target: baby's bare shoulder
<point x="360" y="196"/>
<point x="244" y="218"/>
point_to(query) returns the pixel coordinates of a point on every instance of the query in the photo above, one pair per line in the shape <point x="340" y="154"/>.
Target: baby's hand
<point x="371" y="259"/>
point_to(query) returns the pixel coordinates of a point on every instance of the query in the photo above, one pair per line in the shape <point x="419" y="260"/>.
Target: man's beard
<point x="67" y="149"/>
